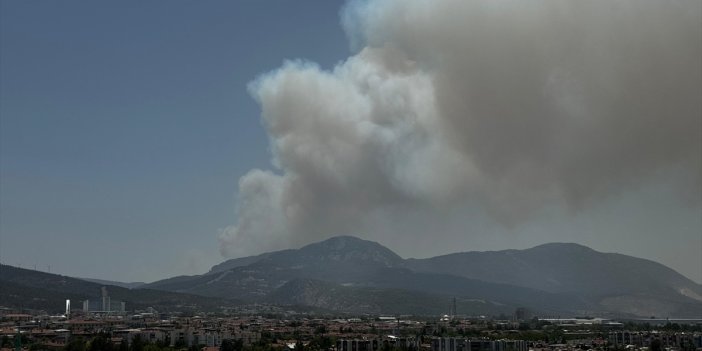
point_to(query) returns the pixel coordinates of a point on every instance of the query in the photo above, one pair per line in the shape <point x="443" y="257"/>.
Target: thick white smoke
<point x="503" y="104"/>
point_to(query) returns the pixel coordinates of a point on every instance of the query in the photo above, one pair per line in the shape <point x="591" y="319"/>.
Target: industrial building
<point x="461" y="344"/>
<point x="103" y="304"/>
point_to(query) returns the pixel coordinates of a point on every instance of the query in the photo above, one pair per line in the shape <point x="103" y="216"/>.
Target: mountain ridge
<point x="550" y="277"/>
<point x="128" y="285"/>
<point x="42" y="290"/>
<point x="351" y="275"/>
<point x="551" y="257"/>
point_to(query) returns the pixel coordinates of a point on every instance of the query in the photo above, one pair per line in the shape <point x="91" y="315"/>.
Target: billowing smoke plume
<point x="501" y="105"/>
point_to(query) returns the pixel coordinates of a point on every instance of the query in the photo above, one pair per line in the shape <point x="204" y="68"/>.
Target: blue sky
<point x="130" y="134"/>
<point x="126" y="125"/>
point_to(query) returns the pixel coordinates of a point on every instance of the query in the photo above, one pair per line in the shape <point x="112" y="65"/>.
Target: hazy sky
<point x="140" y="140"/>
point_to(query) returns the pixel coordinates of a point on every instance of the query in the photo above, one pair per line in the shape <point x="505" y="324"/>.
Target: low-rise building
<point x="462" y="344"/>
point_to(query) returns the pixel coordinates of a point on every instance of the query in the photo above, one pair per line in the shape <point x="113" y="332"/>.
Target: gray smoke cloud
<point x="502" y="105"/>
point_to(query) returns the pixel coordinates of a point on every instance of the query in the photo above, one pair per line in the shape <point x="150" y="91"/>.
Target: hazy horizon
<point x="107" y="278"/>
<point x="140" y="141"/>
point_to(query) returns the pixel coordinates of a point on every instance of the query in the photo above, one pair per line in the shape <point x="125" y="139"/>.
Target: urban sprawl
<point x="105" y="325"/>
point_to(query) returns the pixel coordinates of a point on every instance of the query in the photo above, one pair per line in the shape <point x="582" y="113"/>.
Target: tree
<point x="6" y="342"/>
<point x="227" y="345"/>
<point x="100" y="343"/>
<point x="656" y="345"/>
<point x="180" y="344"/>
<point x="320" y="343"/>
<point x="137" y="344"/>
<point x="75" y="344"/>
<point x="232" y="345"/>
<point x="162" y="344"/>
<point x="239" y="345"/>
